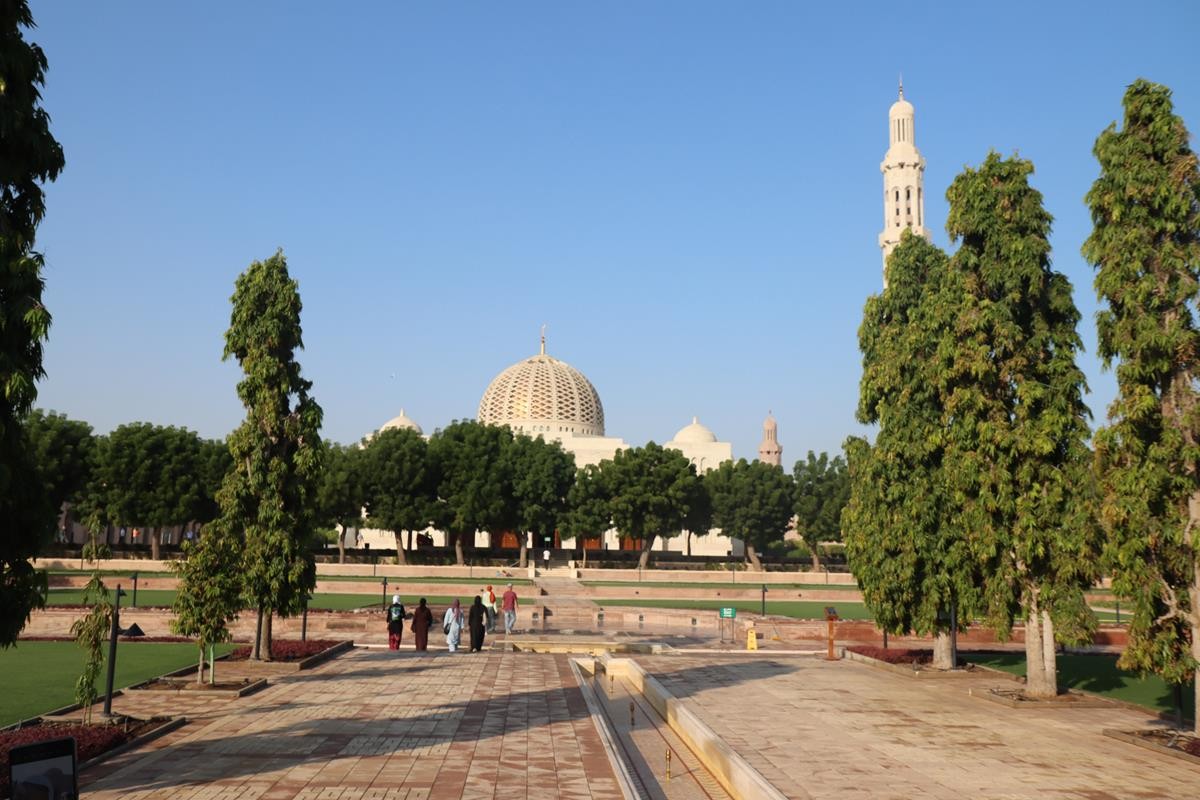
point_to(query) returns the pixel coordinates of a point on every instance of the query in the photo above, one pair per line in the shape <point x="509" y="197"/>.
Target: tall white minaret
<point x="903" y="181"/>
<point x="770" y="451"/>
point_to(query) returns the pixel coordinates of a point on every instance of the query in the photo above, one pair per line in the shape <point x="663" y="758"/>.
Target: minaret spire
<point x="543" y="339"/>
<point x="903" y="171"/>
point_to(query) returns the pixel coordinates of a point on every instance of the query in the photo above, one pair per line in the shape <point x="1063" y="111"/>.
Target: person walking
<point x="422" y="622"/>
<point x="452" y="624"/>
<point x="510" y="609"/>
<point x="395" y="622"/>
<point x="489" y="605"/>
<point x="476" y="620"/>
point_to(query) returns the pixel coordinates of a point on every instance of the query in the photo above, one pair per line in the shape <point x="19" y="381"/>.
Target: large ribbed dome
<point x="543" y="395"/>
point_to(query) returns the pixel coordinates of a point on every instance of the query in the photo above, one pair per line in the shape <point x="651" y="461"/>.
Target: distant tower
<point x="769" y="452"/>
<point x="903" y="181"/>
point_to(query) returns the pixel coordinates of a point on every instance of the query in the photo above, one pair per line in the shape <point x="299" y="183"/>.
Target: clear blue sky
<point x="687" y="193"/>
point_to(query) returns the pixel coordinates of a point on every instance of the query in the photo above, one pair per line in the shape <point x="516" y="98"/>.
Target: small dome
<point x="401" y="421"/>
<point x="695" y="433"/>
<point x="543" y="394"/>
<point x="901" y="108"/>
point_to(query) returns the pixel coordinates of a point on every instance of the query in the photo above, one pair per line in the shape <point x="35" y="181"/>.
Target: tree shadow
<point x="370" y="724"/>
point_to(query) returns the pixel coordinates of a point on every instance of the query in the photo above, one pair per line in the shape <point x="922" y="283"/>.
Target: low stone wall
<point x="717" y="576"/>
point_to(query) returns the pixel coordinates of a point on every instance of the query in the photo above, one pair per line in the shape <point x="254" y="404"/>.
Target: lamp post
<point x="133" y="600"/>
<point x="112" y="651"/>
<point x="304" y="616"/>
<point x="385" y="602"/>
<point x="764" y="599"/>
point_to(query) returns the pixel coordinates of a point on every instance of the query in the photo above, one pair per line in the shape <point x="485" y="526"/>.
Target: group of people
<point x="480" y="619"/>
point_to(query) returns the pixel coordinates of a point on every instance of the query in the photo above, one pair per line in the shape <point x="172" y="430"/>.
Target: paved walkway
<point x="846" y="730"/>
<point x="376" y="725"/>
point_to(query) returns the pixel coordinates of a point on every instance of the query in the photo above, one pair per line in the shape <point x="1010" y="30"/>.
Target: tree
<point x="399" y="486"/>
<point x="340" y="495"/>
<point x="210" y="590"/>
<point x="1017" y="454"/>
<point x="214" y="462"/>
<point x="904" y="540"/>
<point x="822" y="491"/>
<point x="269" y="498"/>
<point x="146" y="475"/>
<point x="588" y="511"/>
<point x="542" y="475"/>
<point x="751" y="501"/>
<point x="64" y="452"/>
<point x="1146" y="247"/>
<point x="31" y="157"/>
<point x="474" y="480"/>
<point x="651" y="493"/>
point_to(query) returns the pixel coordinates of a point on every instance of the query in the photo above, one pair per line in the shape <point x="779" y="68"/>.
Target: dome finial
<point x="543" y="338"/>
<point x="901" y="85"/>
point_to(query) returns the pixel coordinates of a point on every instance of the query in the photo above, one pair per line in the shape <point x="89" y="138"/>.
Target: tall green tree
<point x="399" y="484"/>
<point x="1146" y="247"/>
<point x="340" y="495"/>
<point x="64" y="452"/>
<point x="652" y="490"/>
<point x="1017" y="453"/>
<point x="269" y="498"/>
<point x="588" y="511"/>
<point x="474" y="481"/>
<point x="751" y="501"/>
<point x="31" y="156"/>
<point x="147" y="475"/>
<point x="904" y="541"/>
<point x="822" y="491"/>
<point x="214" y="462"/>
<point x="542" y="474"/>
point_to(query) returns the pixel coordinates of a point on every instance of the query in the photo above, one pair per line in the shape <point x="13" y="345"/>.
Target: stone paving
<point x="818" y="729"/>
<point x="376" y="725"/>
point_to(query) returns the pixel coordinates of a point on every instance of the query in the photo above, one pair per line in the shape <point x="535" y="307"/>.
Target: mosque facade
<point x="546" y="397"/>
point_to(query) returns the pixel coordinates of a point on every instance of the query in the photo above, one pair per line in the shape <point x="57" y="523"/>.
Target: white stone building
<point x="543" y="396"/>
<point x="903" y="170"/>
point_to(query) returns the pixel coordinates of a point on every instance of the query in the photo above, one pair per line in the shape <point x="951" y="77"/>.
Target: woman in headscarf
<point x="452" y="624"/>
<point x="395" y="622"/>
<point x="422" y="621"/>
<point x="476" y="621"/>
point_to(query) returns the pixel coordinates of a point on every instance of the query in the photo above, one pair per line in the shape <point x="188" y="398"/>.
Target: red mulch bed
<point x="288" y="649"/>
<point x="1176" y="740"/>
<point x="90" y="740"/>
<point x="894" y="655"/>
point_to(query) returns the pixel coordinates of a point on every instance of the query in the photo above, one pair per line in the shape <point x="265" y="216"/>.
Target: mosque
<point x="543" y="396"/>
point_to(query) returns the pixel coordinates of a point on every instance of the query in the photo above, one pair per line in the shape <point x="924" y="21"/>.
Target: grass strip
<point x="788" y="608"/>
<point x="40" y="676"/>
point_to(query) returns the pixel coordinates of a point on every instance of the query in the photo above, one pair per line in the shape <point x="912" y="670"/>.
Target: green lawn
<point x="145" y="597"/>
<point x="40" y="676"/>
<point x="749" y="583"/>
<point x="787" y="608"/>
<point x="1098" y="674"/>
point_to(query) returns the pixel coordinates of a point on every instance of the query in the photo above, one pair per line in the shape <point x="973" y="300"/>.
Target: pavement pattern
<point x="375" y="725"/>
<point x="818" y="729"/>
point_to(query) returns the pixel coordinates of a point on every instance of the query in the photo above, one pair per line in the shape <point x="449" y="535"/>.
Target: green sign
<point x="728" y="613"/>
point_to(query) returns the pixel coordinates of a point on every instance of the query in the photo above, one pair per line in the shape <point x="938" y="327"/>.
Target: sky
<point x="686" y="193"/>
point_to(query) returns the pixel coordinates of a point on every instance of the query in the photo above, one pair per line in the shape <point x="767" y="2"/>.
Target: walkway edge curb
<point x="734" y="773"/>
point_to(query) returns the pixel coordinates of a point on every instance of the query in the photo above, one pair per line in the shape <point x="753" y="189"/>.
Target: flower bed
<point x="288" y="649"/>
<point x="894" y="655"/>
<point x="121" y="639"/>
<point x="1174" y="743"/>
<point x="90" y="740"/>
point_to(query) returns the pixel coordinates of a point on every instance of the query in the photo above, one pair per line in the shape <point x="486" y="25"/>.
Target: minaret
<point x="769" y="452"/>
<point x="903" y="181"/>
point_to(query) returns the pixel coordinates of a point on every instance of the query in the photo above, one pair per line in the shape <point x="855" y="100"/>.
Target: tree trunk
<point x="752" y="555"/>
<point x="268" y="617"/>
<point x="341" y="545"/>
<point x="644" y="558"/>
<point x="155" y="542"/>
<point x="1049" y="652"/>
<point x="200" y="669"/>
<point x="524" y="550"/>
<point x="1037" y="682"/>
<point x="400" y="558"/>
<point x="943" y="657"/>
<point x="689" y="543"/>
<point x="256" y="651"/>
<point x="460" y="558"/>
<point x="816" y="557"/>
